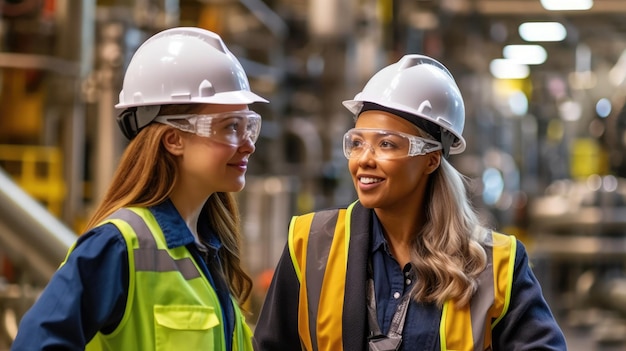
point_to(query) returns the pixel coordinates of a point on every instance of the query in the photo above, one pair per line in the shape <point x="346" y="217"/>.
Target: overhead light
<point x="570" y="110"/>
<point x="518" y="102"/>
<point x="567" y="5"/>
<point x="508" y="69"/>
<point x="603" y="107"/>
<point x="542" y="31"/>
<point x="525" y="54"/>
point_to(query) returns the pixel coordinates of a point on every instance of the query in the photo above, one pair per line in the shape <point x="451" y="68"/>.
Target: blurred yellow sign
<point x="587" y="158"/>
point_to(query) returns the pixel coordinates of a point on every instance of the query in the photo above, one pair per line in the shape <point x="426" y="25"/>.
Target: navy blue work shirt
<point x="391" y="282"/>
<point x="89" y="292"/>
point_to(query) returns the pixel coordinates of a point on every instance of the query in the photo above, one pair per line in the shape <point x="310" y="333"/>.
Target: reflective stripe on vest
<point x="318" y="245"/>
<point x="148" y="257"/>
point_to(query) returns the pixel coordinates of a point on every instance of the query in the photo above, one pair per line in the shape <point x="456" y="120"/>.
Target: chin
<point x="237" y="188"/>
<point x="233" y="188"/>
<point x="367" y="203"/>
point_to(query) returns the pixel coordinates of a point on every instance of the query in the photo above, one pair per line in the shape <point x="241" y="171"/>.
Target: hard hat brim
<point x="227" y="98"/>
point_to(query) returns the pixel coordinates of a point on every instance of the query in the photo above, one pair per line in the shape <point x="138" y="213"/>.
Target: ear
<point x="433" y="162"/>
<point x="173" y="142"/>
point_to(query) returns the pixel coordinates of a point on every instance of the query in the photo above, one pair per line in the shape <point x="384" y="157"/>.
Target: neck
<point x="189" y="210"/>
<point x="400" y="230"/>
<point x="192" y="222"/>
<point x="402" y="222"/>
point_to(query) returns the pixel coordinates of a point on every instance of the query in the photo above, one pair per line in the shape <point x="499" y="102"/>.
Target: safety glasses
<point x="385" y="144"/>
<point x="231" y="128"/>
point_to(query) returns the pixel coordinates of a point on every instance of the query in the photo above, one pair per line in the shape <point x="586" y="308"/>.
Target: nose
<point x="247" y="146"/>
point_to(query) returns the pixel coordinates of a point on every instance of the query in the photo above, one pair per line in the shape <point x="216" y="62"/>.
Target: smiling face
<point x="391" y="184"/>
<point x="205" y="165"/>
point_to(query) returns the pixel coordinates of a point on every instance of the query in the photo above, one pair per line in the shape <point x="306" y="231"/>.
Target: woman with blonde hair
<point x="159" y="266"/>
<point x="408" y="266"/>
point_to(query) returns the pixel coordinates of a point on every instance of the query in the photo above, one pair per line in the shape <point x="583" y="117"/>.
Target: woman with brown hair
<point x="159" y="266"/>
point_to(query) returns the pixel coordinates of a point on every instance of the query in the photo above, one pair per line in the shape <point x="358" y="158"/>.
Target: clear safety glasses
<point x="385" y="144"/>
<point x="232" y="128"/>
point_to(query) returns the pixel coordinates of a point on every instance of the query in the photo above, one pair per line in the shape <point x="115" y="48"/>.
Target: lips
<point x="241" y="166"/>
<point x="242" y="163"/>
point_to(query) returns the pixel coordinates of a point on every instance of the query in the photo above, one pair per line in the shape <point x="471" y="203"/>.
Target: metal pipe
<point x="74" y="22"/>
<point x="272" y="21"/>
<point x="31" y="236"/>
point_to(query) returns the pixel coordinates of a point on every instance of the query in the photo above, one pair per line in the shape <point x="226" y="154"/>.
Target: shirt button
<point x="396" y="295"/>
<point x="408" y="282"/>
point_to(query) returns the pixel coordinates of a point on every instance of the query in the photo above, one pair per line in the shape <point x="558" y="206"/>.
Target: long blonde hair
<point x="145" y="177"/>
<point x="448" y="254"/>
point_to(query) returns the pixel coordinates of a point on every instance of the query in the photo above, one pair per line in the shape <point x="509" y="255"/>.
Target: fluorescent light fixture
<point x="508" y="69"/>
<point x="525" y="54"/>
<point x="567" y="5"/>
<point x="542" y="31"/>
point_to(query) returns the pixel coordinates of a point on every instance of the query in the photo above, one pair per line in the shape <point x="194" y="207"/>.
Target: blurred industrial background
<point x="546" y="130"/>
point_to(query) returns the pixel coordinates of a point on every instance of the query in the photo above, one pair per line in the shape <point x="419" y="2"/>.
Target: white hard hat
<point x="185" y="65"/>
<point x="418" y="86"/>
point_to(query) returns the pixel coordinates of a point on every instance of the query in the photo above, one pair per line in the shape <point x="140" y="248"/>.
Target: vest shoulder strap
<point x="147" y="256"/>
<point x="469" y="327"/>
<point x="504" y="250"/>
<point x="318" y="246"/>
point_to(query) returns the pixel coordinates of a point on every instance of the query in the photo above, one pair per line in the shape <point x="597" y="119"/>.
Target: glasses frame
<point x="205" y="130"/>
<point x="417" y="145"/>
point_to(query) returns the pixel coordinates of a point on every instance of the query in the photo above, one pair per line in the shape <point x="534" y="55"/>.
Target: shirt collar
<point x="378" y="239"/>
<point x="175" y="229"/>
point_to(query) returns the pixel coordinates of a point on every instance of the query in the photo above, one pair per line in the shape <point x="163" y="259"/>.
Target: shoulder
<point x="105" y="233"/>
<point x="323" y="210"/>
<point x="501" y="241"/>
<point x="99" y="244"/>
<point x="510" y="245"/>
<point x="306" y="219"/>
<point x="342" y="214"/>
<point x="499" y="238"/>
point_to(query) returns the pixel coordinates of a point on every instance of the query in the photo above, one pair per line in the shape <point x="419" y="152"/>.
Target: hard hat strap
<point x="127" y="121"/>
<point x="133" y="119"/>
<point x="447" y="139"/>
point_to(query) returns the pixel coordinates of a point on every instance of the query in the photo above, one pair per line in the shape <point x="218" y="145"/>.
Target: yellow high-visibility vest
<point x="319" y="243"/>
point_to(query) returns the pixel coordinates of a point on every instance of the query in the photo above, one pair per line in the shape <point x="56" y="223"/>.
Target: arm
<point x="528" y="323"/>
<point x="87" y="294"/>
<point x="277" y="327"/>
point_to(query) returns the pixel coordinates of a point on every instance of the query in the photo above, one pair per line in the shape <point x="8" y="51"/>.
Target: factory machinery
<point x="579" y="255"/>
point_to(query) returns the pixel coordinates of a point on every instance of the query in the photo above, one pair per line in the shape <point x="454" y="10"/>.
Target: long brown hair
<point x="145" y="177"/>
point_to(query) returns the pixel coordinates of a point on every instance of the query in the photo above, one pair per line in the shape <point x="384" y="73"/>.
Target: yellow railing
<point x="38" y="170"/>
